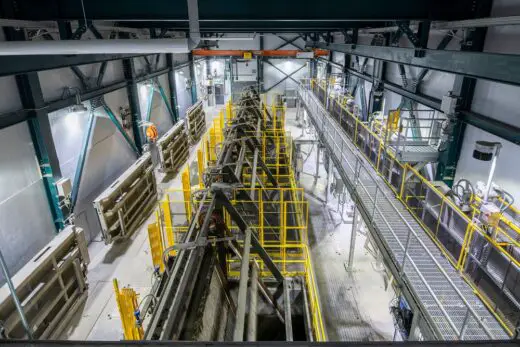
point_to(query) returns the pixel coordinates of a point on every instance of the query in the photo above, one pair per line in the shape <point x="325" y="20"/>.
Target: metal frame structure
<point x="239" y="211"/>
<point x="51" y="287"/>
<point x="420" y="268"/>
<point x="126" y="203"/>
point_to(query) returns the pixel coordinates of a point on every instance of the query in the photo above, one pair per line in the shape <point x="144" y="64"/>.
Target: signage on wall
<point x="305" y="55"/>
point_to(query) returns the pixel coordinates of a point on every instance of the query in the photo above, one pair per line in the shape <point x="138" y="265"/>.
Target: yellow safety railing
<point x="285" y="242"/>
<point x="126" y="299"/>
<point x="373" y="147"/>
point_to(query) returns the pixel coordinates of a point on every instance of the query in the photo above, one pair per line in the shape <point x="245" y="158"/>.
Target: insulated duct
<point x="140" y="46"/>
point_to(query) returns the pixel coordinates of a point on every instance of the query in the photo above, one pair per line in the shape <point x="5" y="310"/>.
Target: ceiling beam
<point x="501" y="68"/>
<point x="14" y="65"/>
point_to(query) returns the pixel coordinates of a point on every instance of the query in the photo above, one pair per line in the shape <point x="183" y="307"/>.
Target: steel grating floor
<point x="427" y="275"/>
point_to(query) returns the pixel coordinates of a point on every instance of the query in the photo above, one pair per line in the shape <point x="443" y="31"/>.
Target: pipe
<point x="492" y="171"/>
<point x="262" y="53"/>
<point x="17" y="302"/>
<point x="253" y="298"/>
<point x="238" y="334"/>
<point x="350" y="264"/>
<point x="67" y="47"/>
<point x="51" y="26"/>
<point x="193" y="15"/>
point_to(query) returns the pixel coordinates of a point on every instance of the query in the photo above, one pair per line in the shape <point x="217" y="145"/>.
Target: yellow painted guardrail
<point x="368" y="142"/>
<point x="286" y="243"/>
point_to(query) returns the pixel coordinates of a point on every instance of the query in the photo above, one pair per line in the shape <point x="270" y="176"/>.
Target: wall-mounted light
<point x="78" y="106"/>
<point x="487" y="151"/>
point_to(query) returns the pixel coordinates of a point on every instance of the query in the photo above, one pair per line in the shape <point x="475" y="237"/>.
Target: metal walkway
<point x="447" y="303"/>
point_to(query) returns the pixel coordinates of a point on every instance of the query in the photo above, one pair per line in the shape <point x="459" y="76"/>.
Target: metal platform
<point x="447" y="303"/>
<point x="415" y="154"/>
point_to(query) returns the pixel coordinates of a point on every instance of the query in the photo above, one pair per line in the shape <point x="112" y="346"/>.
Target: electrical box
<point x="64" y="187"/>
<point x="448" y="104"/>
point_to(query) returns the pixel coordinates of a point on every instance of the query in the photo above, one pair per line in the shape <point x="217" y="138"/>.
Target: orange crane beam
<point x="262" y="53"/>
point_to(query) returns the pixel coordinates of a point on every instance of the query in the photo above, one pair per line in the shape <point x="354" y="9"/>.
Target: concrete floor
<point x="130" y="262"/>
<point x="355" y="305"/>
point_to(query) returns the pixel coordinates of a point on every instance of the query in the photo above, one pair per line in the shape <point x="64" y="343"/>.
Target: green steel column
<point x="41" y="135"/>
<point x="133" y="102"/>
<point x="173" y="87"/>
<point x="463" y="87"/>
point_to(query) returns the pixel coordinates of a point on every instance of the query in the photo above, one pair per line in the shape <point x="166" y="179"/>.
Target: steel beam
<point x="78" y="174"/>
<point x="286" y="77"/>
<point x="287" y="310"/>
<point x="501" y="68"/>
<point x="288" y="42"/>
<point x="506" y="131"/>
<point x="31" y="97"/>
<point x="253" y="303"/>
<point x="84" y="96"/>
<point x="133" y="101"/>
<point x="15" y="65"/>
<point x="120" y="128"/>
<point x="166" y="102"/>
<point x="238" y="333"/>
<point x="464" y="88"/>
<point x="242" y="225"/>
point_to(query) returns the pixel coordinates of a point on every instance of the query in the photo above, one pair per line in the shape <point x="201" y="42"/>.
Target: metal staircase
<point x="446" y="302"/>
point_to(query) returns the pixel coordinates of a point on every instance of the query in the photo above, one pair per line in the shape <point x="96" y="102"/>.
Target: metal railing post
<point x="464" y="325"/>
<point x="375" y="203"/>
<point x="17" y="303"/>
<point x="405" y="255"/>
<point x="352" y="240"/>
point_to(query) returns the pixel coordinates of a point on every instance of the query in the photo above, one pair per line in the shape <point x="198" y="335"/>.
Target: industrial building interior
<point x="280" y="172"/>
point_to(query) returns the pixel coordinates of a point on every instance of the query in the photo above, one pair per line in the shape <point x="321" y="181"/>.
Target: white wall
<point x="500" y="102"/>
<point x="159" y="113"/>
<point x="183" y="91"/>
<point x="273" y="76"/>
<point x="25" y="217"/>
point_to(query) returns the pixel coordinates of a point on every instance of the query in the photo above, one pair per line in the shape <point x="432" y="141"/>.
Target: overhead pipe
<point x="53" y="26"/>
<point x="193" y="16"/>
<point x="262" y="53"/>
<point x="71" y="47"/>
